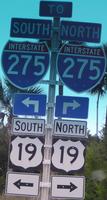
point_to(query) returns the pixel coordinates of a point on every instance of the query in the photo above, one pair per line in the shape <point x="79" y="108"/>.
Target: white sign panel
<point x="68" y="155"/>
<point x="72" y="187"/>
<point x="26" y="152"/>
<point x="22" y="184"/>
<point x="28" y="126"/>
<point x="70" y="128"/>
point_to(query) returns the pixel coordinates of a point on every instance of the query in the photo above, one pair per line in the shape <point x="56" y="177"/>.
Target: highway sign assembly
<point x="81" y="68"/>
<point x="71" y="128"/>
<point x="71" y="187"/>
<point x="25" y="152"/>
<point x="29" y="126"/>
<point x="55" y="9"/>
<point x="29" y="104"/>
<point x="25" y="63"/>
<point x="22" y="184"/>
<point x="80" y="31"/>
<point x="31" y="28"/>
<point x="68" y="155"/>
<point x="71" y="107"/>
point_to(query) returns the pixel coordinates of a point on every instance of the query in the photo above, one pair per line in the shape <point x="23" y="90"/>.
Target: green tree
<point x="4" y="143"/>
<point x="96" y="168"/>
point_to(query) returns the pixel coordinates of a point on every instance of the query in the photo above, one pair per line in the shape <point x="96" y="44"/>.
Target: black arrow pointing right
<point x="71" y="187"/>
<point x="18" y="184"/>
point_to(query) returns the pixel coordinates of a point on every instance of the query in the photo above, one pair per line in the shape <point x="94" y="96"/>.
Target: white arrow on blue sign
<point x="29" y="104"/>
<point x="71" y="107"/>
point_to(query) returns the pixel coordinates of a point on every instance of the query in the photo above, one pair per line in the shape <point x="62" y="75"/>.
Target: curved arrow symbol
<point x="27" y="102"/>
<point x="71" y="187"/>
<point x="18" y="184"/>
<point x="73" y="105"/>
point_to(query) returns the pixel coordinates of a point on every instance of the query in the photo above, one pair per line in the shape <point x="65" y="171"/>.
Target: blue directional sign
<point x="55" y="9"/>
<point x="25" y="63"/>
<point x="29" y="104"/>
<point x="81" y="67"/>
<point x="31" y="28"/>
<point x="80" y="31"/>
<point x="71" y="107"/>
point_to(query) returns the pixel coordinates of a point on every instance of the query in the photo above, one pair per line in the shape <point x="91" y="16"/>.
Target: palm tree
<point x="100" y="90"/>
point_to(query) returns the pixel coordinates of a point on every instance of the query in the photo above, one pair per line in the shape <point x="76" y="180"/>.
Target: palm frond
<point x="13" y="89"/>
<point x="1" y="91"/>
<point x="101" y="87"/>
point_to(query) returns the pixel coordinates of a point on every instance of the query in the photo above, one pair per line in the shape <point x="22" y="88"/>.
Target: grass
<point x="3" y="197"/>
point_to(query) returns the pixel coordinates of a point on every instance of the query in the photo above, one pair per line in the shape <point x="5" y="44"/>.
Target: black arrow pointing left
<point x="20" y="184"/>
<point x="71" y="187"/>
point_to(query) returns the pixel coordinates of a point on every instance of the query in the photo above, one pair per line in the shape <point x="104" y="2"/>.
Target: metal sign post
<point x="50" y="112"/>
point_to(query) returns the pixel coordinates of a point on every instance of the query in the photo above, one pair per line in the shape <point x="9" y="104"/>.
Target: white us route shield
<point x="68" y="155"/>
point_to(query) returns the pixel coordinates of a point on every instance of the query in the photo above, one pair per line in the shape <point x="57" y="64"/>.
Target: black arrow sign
<point x="18" y="184"/>
<point x="71" y="187"/>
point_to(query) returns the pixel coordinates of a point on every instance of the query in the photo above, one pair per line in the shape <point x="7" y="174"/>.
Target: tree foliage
<point x="96" y="167"/>
<point x="4" y="141"/>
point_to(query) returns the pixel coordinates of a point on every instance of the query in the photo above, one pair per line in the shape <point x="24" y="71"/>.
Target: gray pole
<point x="45" y="184"/>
